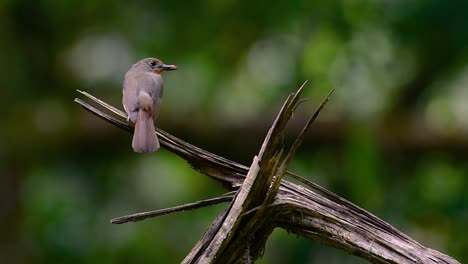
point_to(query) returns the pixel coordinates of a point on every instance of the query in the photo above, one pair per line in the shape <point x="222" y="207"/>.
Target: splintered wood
<point x="261" y="200"/>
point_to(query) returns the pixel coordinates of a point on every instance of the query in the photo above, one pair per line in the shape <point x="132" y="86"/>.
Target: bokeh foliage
<point x="394" y="138"/>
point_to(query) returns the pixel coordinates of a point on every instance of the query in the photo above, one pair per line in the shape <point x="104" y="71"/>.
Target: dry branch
<point x="190" y="206"/>
<point x="264" y="201"/>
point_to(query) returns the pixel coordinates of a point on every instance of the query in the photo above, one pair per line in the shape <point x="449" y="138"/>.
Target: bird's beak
<point x="168" y="67"/>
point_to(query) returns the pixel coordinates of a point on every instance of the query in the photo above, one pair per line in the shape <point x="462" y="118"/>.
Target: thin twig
<point x="106" y="105"/>
<point x="190" y="206"/>
<point x="300" y="102"/>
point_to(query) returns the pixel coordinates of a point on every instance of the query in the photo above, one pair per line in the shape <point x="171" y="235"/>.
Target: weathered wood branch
<point x="239" y="232"/>
<point x="264" y="201"/>
<point x="190" y="206"/>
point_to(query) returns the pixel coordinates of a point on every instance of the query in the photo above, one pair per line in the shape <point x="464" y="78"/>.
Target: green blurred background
<point x="393" y="139"/>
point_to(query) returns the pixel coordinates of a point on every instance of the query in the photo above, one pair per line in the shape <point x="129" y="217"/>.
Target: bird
<point x="142" y="95"/>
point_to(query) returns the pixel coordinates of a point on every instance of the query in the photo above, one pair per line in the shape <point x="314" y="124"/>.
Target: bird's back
<point x="137" y="85"/>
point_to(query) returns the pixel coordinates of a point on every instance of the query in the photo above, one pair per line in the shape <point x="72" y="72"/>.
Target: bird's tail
<point x="144" y="136"/>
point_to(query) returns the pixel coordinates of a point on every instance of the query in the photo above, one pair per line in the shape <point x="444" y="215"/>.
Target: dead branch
<point x="190" y="206"/>
<point x="264" y="201"/>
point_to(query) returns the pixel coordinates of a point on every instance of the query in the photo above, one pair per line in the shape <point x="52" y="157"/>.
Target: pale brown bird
<point x="142" y="95"/>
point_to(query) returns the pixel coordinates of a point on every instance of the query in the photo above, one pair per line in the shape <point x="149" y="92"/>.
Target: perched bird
<point x="142" y="95"/>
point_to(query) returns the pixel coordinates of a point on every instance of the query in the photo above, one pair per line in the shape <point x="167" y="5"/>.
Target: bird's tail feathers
<point x="144" y="136"/>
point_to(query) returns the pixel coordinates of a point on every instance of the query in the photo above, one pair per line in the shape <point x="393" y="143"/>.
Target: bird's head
<point x="154" y="65"/>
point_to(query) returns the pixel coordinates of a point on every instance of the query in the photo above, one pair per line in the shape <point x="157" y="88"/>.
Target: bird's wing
<point x="153" y="85"/>
<point x="130" y="96"/>
<point x="137" y="84"/>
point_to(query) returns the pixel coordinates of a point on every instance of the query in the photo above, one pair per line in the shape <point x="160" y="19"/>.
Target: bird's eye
<point x="153" y="63"/>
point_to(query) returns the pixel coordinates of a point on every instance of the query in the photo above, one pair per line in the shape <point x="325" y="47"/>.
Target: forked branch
<point x="264" y="201"/>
